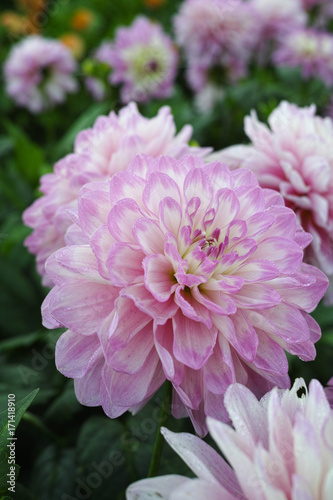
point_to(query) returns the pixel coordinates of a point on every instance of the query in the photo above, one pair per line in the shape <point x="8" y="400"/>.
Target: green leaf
<point x="86" y="120"/>
<point x="29" y="157"/>
<point x="7" y="439"/>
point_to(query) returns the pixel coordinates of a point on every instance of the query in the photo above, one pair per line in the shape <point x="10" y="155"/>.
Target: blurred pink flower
<point x="144" y="61"/>
<point x="99" y="152"/>
<point x="329" y="391"/>
<point x="39" y="73"/>
<point x="191" y="272"/>
<point x="278" y="17"/>
<point x="308" y="49"/>
<point x="280" y="449"/>
<point x="295" y="157"/>
<point x="215" y="34"/>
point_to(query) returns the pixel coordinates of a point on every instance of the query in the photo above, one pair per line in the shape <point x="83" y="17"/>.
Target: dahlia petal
<point x="256" y="295"/>
<point x="69" y="264"/>
<point x="129" y="390"/>
<point x="124" y="264"/>
<point x="173" y="369"/>
<point x="80" y="308"/>
<point x="203" y="460"/>
<point x="239" y="332"/>
<point x="158" y="187"/>
<point x="170" y="215"/>
<point x="259" y="223"/>
<point x="283" y="252"/>
<point x="132" y="357"/>
<point x="227" y="208"/>
<point x="213" y="300"/>
<point x="328" y="485"/>
<point x="197" y="181"/>
<point x="124" y="185"/>
<point x="93" y="206"/>
<point x="197" y="489"/>
<point x="251" y="201"/>
<point x="193" y="342"/>
<point x="317" y="171"/>
<point x="149" y="236"/>
<point x="76" y="353"/>
<point x="143" y="299"/>
<point x="191" y="308"/>
<point x="121" y="218"/>
<point x="190" y="388"/>
<point x="218" y="173"/>
<point x="155" y="488"/>
<point x="270" y="357"/>
<point x="159" y="277"/>
<point x="87" y="388"/>
<point x="217" y="373"/>
<point x="258" y="270"/>
<point x="101" y="242"/>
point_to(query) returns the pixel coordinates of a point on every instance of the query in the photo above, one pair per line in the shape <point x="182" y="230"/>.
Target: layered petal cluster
<point x="309" y="50"/>
<point x="192" y="273"/>
<point x="215" y="35"/>
<point x="294" y="156"/>
<point x="281" y="448"/>
<point x="144" y="61"/>
<point x="99" y="152"/>
<point x="39" y="73"/>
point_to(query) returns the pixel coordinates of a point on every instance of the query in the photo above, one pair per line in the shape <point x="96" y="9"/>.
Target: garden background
<point x="65" y="450"/>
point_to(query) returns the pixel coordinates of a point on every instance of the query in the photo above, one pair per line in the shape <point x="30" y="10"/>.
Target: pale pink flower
<point x="278" y="17"/>
<point x="144" y="61"/>
<point x="309" y="50"/>
<point x="191" y="273"/>
<point x="39" y="73"/>
<point x="99" y="152"/>
<point x="280" y="449"/>
<point x="215" y="34"/>
<point x="329" y="391"/>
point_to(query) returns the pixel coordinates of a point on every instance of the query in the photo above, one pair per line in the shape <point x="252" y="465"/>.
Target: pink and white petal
<point x="196" y="489"/>
<point x="87" y="388"/>
<point x="124" y="264"/>
<point x="149" y="236"/>
<point x="227" y="207"/>
<point x="193" y="341"/>
<point x="75" y="353"/>
<point x="158" y="187"/>
<point x="239" y="332"/>
<point x="285" y="253"/>
<point x="155" y="488"/>
<point x="328" y="485"/>
<point x="301" y="489"/>
<point x="317" y="407"/>
<point x="159" y="277"/>
<point x="190" y="388"/>
<point x="270" y="357"/>
<point x="121" y="219"/>
<point x="143" y="299"/>
<point x="219" y="174"/>
<point x="197" y="183"/>
<point x="203" y="460"/>
<point x="259" y="223"/>
<point x="129" y="390"/>
<point x="191" y="308"/>
<point x="251" y="201"/>
<point x="83" y="308"/>
<point x="119" y="328"/>
<point x="170" y="214"/>
<point x="70" y="264"/>
<point x="47" y="319"/>
<point x="132" y="357"/>
<point x="258" y="270"/>
<point x="256" y="296"/>
<point x="93" y="206"/>
<point x="214" y="406"/>
<point x="173" y="369"/>
<point x="101" y="242"/>
<point x="217" y="373"/>
<point x="214" y="301"/>
<point x="125" y="185"/>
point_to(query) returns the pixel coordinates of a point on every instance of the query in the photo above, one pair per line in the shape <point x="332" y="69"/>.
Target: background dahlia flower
<point x="96" y="84"/>
<point x="39" y="73"/>
<point x="294" y="156"/>
<point x="280" y="448"/>
<point x="308" y="49"/>
<point x="190" y="272"/>
<point x="144" y="61"/>
<point x="215" y="34"/>
<point x="99" y="152"/>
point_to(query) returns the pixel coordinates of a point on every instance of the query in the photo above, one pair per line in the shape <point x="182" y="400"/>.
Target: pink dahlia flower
<point x="329" y="391"/>
<point x="310" y="50"/>
<point x="279" y="449"/>
<point x="295" y="157"/>
<point x="192" y="273"/>
<point x="99" y="152"/>
<point x="278" y="17"/>
<point x="39" y="73"/>
<point x="144" y="61"/>
<point x="215" y="33"/>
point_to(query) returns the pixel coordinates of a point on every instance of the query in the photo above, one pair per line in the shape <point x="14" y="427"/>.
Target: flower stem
<point x="159" y="440"/>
